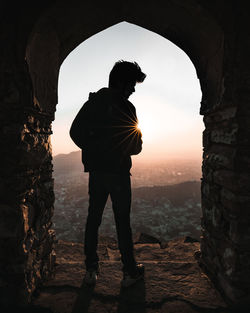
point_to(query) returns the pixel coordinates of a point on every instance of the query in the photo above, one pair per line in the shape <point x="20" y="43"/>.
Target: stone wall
<point x="226" y="180"/>
<point x="26" y="187"/>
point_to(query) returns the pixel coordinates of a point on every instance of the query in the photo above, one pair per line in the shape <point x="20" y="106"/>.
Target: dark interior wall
<point x="39" y="38"/>
<point x="226" y="183"/>
<point x="26" y="186"/>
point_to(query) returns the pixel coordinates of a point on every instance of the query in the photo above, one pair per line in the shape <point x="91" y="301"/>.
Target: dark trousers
<point x="118" y="186"/>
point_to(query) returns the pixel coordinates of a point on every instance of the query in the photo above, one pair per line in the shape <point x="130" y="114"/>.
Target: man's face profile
<point x="129" y="88"/>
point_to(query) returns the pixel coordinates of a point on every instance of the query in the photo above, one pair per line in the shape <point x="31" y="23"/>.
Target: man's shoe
<point x="130" y="279"/>
<point x="91" y="277"/>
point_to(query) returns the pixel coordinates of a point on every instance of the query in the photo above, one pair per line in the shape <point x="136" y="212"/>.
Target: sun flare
<point x="148" y="126"/>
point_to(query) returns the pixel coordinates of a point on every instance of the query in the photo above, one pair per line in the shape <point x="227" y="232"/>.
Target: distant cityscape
<point x="165" y="199"/>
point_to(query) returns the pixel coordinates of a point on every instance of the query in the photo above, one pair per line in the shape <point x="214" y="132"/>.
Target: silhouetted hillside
<point x="65" y="163"/>
<point x="176" y="193"/>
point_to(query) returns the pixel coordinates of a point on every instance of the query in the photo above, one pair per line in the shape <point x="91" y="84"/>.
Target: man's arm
<point x="127" y="135"/>
<point x="136" y="142"/>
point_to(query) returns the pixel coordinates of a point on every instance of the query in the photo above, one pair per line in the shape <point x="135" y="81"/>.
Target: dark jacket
<point x="106" y="130"/>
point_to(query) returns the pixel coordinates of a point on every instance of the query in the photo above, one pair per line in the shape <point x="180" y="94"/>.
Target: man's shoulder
<point x="98" y="105"/>
<point x="102" y="96"/>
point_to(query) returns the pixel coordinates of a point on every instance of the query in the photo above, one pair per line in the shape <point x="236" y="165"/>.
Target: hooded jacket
<point x="106" y="130"/>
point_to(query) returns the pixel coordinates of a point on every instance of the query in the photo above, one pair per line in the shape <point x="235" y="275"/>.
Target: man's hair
<point x="125" y="72"/>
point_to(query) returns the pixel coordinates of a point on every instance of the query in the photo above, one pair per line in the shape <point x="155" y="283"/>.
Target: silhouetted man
<point x="106" y="130"/>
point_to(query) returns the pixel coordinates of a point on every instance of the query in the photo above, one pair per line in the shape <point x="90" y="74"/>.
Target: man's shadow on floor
<point x="83" y="300"/>
<point x="130" y="300"/>
<point x="133" y="298"/>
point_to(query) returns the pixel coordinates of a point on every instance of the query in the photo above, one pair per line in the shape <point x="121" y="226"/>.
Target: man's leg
<point x="98" y="196"/>
<point x="120" y="193"/>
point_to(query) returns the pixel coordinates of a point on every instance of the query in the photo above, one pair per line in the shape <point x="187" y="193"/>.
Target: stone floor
<point x="173" y="282"/>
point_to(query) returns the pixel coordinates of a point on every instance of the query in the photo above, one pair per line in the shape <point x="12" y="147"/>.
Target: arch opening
<point x="167" y="108"/>
<point x="44" y="70"/>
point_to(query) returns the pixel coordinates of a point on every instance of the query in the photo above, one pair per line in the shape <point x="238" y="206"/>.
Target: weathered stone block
<point x="209" y="256"/>
<point x="207" y="172"/>
<point x="46" y="246"/>
<point x="220" y="116"/>
<point x="217" y="216"/>
<point x="214" y="222"/>
<point x="226" y="136"/>
<point x="240" y="232"/>
<point x="219" y="156"/>
<point x="235" y="205"/>
<point x="231" y="291"/>
<point x="206" y="138"/>
<point x="211" y="191"/>
<point x="36" y="149"/>
<point x="236" y="182"/>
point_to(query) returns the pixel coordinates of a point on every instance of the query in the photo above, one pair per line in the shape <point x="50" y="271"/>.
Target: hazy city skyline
<point x="167" y="102"/>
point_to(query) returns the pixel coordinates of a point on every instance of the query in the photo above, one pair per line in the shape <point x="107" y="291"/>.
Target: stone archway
<point x="32" y="90"/>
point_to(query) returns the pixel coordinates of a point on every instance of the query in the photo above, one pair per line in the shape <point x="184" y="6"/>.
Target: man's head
<point x="124" y="76"/>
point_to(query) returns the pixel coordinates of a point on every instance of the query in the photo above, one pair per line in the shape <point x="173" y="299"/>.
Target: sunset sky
<point x="167" y="102"/>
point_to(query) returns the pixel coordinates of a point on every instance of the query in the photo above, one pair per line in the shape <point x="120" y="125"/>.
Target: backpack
<point x="79" y="130"/>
